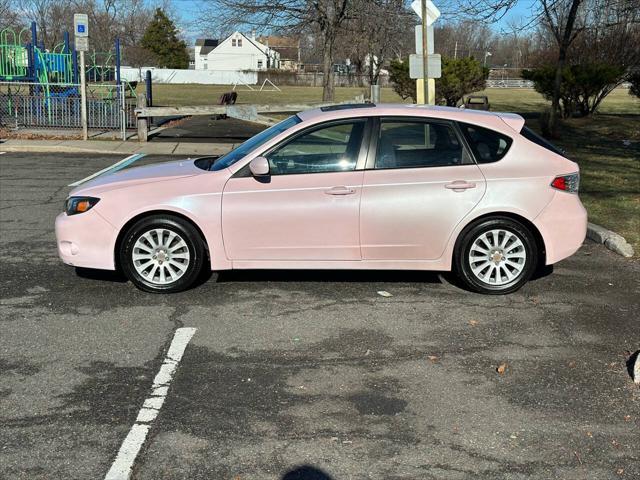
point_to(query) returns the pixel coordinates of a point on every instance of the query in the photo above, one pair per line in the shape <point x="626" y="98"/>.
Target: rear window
<point x="538" y="140"/>
<point x="488" y="146"/>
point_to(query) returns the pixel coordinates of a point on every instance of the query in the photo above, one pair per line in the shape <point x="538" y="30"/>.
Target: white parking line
<point x="2" y="153"/>
<point x="122" y="466"/>
<point x="113" y="168"/>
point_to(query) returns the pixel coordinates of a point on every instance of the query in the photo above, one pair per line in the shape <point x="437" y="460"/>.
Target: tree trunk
<point x="327" y="69"/>
<point x="565" y="36"/>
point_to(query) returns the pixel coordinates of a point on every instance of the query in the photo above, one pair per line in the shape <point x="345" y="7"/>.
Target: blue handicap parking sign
<point x="81" y="28"/>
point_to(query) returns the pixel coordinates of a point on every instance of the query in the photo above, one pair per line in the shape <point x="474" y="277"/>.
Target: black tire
<point x="462" y="263"/>
<point x="194" y="247"/>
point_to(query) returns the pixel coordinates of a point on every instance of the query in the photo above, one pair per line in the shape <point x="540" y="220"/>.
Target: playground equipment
<point x="41" y="86"/>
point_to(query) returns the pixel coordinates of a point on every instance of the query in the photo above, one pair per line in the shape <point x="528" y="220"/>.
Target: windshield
<point x="254" y="142"/>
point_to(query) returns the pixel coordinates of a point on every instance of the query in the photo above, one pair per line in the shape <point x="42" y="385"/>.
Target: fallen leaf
<point x="620" y="471"/>
<point x="502" y="368"/>
<point x="627" y="418"/>
<point x="433" y="358"/>
<point x="572" y="364"/>
<point x="615" y="443"/>
<point x="589" y="434"/>
<point x="473" y="323"/>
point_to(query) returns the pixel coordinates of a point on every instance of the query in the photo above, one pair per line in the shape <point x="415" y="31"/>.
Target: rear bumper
<point x="86" y="240"/>
<point x="563" y="226"/>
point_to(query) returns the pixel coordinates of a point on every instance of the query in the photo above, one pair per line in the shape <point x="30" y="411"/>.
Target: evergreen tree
<point x="161" y="39"/>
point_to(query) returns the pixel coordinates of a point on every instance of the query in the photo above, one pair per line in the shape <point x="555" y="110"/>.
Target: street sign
<point x="432" y="11"/>
<point x="82" y="44"/>
<point x="415" y="66"/>
<point x="429" y="39"/>
<point x="80" y="25"/>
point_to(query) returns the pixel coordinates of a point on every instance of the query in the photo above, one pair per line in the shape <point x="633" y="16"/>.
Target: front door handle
<point x="460" y="185"/>
<point x="340" y="191"/>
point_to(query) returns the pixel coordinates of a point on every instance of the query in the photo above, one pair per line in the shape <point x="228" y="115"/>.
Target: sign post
<point x="425" y="85"/>
<point x="81" y="40"/>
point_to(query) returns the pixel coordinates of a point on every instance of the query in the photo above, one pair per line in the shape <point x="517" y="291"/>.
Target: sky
<point x="188" y="11"/>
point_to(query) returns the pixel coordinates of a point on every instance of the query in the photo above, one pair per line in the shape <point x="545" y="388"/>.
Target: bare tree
<point x="369" y="42"/>
<point x="294" y="16"/>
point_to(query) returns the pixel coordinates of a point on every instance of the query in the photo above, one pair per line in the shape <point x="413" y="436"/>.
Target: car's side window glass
<point x="488" y="146"/>
<point x="418" y="144"/>
<point x="332" y="148"/>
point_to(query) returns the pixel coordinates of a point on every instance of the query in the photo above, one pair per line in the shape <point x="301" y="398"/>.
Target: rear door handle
<point x="340" y="191"/>
<point x="460" y="185"/>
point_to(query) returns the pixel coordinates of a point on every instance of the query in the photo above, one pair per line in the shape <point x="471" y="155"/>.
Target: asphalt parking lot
<point x="308" y="375"/>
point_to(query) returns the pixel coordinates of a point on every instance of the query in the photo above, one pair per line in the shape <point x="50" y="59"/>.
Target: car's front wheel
<point x="162" y="254"/>
<point x="496" y="256"/>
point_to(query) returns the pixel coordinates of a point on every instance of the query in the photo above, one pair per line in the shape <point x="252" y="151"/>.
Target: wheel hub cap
<point x="160" y="256"/>
<point x="497" y="257"/>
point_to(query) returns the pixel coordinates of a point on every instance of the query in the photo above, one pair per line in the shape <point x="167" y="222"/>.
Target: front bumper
<point x="86" y="240"/>
<point x="563" y="226"/>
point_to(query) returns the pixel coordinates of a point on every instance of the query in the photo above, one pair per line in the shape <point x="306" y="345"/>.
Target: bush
<point x="459" y="77"/>
<point x="634" y="89"/>
<point x="583" y="86"/>
<point x="403" y="85"/>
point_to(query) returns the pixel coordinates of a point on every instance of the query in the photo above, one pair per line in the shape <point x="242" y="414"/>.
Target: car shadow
<point x="306" y="472"/>
<point x="349" y="276"/>
<point x="101" y="275"/>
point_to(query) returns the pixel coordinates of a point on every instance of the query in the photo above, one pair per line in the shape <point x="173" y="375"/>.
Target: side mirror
<point x="259" y="167"/>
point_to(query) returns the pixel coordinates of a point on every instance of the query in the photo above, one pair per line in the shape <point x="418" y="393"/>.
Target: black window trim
<point x="375" y="135"/>
<point x="360" y="160"/>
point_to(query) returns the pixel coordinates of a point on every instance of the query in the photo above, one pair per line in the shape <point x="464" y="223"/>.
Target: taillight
<point x="567" y="183"/>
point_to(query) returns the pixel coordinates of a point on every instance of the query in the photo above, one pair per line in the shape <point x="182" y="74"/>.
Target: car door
<point x="420" y="182"/>
<point x="308" y="207"/>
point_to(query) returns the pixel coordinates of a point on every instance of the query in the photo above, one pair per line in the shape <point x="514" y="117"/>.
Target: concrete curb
<point x="614" y="242"/>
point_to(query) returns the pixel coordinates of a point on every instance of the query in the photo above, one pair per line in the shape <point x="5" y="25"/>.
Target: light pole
<point x="486" y="54"/>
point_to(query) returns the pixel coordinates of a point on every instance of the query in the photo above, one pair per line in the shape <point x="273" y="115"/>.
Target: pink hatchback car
<point x="344" y="187"/>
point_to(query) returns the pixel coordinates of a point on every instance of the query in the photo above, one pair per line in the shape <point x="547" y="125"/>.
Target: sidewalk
<point x="115" y="147"/>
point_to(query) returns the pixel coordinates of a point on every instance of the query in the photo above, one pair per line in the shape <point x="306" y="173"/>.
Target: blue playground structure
<point x="40" y="87"/>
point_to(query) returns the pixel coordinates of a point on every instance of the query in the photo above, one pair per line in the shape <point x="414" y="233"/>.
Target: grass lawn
<point x="610" y="168"/>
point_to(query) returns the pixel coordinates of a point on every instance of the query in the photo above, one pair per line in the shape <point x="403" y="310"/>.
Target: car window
<point x="332" y="148"/>
<point x="417" y="144"/>
<point x="488" y="146"/>
<point x="254" y="142"/>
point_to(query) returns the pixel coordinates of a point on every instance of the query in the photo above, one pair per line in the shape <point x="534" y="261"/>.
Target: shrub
<point x="459" y="77"/>
<point x="403" y="85"/>
<point x="583" y="86"/>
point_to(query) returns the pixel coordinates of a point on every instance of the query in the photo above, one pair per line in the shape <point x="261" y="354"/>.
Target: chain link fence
<point x="56" y="108"/>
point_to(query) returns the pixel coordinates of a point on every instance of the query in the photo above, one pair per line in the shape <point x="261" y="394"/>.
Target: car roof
<point x="495" y="120"/>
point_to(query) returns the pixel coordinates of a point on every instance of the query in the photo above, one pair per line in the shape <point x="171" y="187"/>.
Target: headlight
<point x="74" y="205"/>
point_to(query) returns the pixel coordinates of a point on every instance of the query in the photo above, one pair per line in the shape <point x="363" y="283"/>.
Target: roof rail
<point x="346" y="106"/>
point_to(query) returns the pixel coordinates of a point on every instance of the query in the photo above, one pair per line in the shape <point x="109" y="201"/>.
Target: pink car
<point x="399" y="187"/>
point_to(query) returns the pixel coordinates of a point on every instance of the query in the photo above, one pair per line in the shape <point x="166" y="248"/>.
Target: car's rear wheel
<point x="162" y="254"/>
<point x="496" y="256"/>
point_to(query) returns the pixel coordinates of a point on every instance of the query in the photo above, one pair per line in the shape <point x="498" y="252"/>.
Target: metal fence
<point x="509" y="83"/>
<point x="51" y="107"/>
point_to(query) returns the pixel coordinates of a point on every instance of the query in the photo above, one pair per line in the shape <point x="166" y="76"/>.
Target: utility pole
<point x="455" y="51"/>
<point x="425" y="53"/>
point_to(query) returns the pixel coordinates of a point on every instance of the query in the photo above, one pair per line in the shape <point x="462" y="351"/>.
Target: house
<point x="238" y="52"/>
<point x="287" y="47"/>
<point x="203" y="47"/>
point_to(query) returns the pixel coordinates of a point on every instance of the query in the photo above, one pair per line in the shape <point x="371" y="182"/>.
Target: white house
<point x="238" y="52"/>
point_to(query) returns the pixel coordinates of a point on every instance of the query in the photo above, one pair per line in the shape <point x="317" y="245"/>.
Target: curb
<point x="614" y="242"/>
